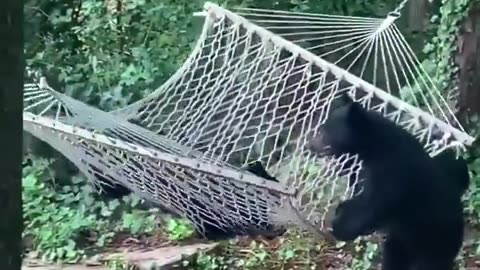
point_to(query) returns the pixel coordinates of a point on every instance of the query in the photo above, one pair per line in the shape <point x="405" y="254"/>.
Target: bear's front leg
<point x="354" y="218"/>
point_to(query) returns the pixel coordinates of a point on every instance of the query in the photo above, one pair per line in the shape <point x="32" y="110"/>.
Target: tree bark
<point x="416" y="16"/>
<point x="468" y="60"/>
<point x="11" y="106"/>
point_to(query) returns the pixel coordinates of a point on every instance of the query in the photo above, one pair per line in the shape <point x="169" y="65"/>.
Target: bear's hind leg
<point x="395" y="255"/>
<point x="438" y="263"/>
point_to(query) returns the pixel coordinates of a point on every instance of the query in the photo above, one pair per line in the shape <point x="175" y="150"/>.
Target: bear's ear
<point x="346" y="99"/>
<point x="357" y="114"/>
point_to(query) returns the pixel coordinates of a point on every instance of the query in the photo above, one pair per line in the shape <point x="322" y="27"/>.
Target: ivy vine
<point x="441" y="49"/>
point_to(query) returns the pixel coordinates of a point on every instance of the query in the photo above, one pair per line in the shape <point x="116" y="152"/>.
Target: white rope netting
<point x="178" y="178"/>
<point x="245" y="94"/>
<point x="374" y="49"/>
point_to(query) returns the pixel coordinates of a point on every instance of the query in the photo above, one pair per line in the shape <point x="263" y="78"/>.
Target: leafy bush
<point x="179" y="229"/>
<point x="62" y="223"/>
<point x="473" y="194"/>
<point x="107" y="55"/>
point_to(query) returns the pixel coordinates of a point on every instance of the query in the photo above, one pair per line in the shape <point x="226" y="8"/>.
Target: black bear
<point x="447" y="160"/>
<point x="405" y="193"/>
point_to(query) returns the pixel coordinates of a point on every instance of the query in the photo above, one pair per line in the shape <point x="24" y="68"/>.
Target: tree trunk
<point x="468" y="60"/>
<point x="11" y="103"/>
<point x="416" y="16"/>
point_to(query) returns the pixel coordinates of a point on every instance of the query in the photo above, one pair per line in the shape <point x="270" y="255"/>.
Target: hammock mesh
<point x="245" y="94"/>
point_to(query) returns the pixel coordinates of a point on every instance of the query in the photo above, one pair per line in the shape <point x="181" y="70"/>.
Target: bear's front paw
<point x="343" y="231"/>
<point x="339" y="208"/>
<point x="344" y="225"/>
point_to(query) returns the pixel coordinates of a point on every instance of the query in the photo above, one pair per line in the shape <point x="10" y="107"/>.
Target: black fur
<point x="405" y="193"/>
<point x="111" y="190"/>
<point x="257" y="168"/>
<point x="455" y="167"/>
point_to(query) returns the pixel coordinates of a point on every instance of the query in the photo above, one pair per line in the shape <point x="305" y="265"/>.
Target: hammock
<point x="246" y="93"/>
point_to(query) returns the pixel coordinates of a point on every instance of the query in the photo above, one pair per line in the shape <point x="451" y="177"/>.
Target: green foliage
<point x="208" y="262"/>
<point x="62" y="223"/>
<point x="295" y="250"/>
<point x="179" y="229"/>
<point x="119" y="263"/>
<point x="109" y="55"/>
<point x="257" y="257"/>
<point x="368" y="252"/>
<point x="441" y="49"/>
<point x="473" y="195"/>
<point x="287" y="253"/>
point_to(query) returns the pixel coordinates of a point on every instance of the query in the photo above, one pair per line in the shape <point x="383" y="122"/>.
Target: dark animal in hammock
<point x="212" y="228"/>
<point x="112" y="190"/>
<point x="406" y="194"/>
<point x="109" y="189"/>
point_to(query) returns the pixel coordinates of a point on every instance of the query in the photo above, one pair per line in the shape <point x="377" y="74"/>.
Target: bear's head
<point x="344" y="131"/>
